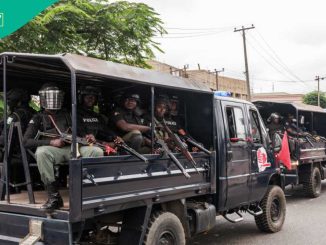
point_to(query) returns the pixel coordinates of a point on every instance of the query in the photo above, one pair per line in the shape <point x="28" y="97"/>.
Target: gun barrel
<point x="180" y="145"/>
<point x="133" y="152"/>
<point x="176" y="161"/>
<point x="172" y="157"/>
<point x="200" y="147"/>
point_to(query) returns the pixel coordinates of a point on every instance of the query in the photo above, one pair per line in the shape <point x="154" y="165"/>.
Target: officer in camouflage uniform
<point x="52" y="151"/>
<point x="130" y="125"/>
<point x="19" y="111"/>
<point x="91" y="124"/>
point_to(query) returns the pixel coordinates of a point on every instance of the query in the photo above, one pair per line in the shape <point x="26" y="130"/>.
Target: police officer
<point x="275" y="125"/>
<point x="19" y="111"/>
<point x="161" y="112"/>
<point x="52" y="151"/>
<point x="91" y="124"/>
<point x="130" y="125"/>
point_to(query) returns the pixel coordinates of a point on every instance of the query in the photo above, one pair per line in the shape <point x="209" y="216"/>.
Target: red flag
<point x="284" y="155"/>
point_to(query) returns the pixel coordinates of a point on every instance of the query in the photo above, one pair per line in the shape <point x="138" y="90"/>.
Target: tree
<point x="312" y="99"/>
<point x="118" y="31"/>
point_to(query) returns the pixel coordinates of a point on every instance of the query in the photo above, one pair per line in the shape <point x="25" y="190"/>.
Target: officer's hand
<point x="118" y="140"/>
<point x="195" y="149"/>
<point x="57" y="143"/>
<point x="90" y="138"/>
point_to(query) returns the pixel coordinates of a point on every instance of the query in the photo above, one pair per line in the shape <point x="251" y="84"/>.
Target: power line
<point x="198" y="29"/>
<point x="280" y="60"/>
<point x="275" y="57"/>
<point x="268" y="54"/>
<point x="267" y="61"/>
<point x="191" y="36"/>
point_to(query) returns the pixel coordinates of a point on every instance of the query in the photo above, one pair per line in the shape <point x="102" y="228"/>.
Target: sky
<point x="286" y="50"/>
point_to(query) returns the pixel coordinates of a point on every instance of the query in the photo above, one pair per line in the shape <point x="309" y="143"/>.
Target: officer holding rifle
<point x="52" y="119"/>
<point x="92" y="125"/>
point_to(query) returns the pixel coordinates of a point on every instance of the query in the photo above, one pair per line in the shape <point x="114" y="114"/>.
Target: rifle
<point x="125" y="147"/>
<point x="194" y="143"/>
<point x="68" y="139"/>
<point x="179" y="144"/>
<point x="171" y="155"/>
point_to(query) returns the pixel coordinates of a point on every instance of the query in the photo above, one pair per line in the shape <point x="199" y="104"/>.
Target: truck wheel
<point x="312" y="185"/>
<point x="165" y="228"/>
<point x="274" y="209"/>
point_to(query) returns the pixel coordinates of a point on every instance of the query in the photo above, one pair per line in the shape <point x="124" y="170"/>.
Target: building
<point x="237" y="87"/>
<point x="278" y="97"/>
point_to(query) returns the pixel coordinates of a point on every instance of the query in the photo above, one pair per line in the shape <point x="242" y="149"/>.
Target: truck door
<point x="238" y="154"/>
<point x="260" y="162"/>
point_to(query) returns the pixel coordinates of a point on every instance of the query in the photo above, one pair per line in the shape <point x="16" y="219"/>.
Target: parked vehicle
<point x="310" y="167"/>
<point x="121" y="199"/>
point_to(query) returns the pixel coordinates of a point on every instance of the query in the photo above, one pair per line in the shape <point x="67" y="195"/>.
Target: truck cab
<point x="118" y="199"/>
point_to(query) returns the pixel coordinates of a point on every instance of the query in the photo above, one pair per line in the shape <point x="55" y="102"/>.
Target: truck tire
<point x="165" y="228"/>
<point x="274" y="210"/>
<point x="312" y="184"/>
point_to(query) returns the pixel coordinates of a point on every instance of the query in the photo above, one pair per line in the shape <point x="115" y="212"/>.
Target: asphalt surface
<point x="305" y="224"/>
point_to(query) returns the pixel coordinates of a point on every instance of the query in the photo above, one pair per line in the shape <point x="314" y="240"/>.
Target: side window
<point x="236" y="122"/>
<point x="255" y="127"/>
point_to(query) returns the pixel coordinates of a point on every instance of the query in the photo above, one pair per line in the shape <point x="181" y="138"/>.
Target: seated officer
<point x="92" y="125"/>
<point x="19" y="111"/>
<point x="130" y="125"/>
<point x="161" y="112"/>
<point x="52" y="151"/>
<point x="275" y="125"/>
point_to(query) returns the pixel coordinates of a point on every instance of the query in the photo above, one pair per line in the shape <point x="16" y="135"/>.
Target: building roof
<point x="97" y="67"/>
<point x="297" y="105"/>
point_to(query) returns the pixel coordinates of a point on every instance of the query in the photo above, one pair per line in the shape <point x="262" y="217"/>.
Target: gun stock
<point x="180" y="145"/>
<point x="172" y="157"/>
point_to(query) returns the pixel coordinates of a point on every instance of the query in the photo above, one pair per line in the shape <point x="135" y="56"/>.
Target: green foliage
<point x="312" y="99"/>
<point x="118" y="31"/>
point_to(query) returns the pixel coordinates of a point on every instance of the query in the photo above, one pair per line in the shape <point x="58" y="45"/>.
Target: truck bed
<point x="312" y="152"/>
<point x="120" y="183"/>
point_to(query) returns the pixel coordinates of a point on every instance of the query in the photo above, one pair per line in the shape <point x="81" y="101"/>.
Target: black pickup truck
<point x="121" y="199"/>
<point x="310" y="150"/>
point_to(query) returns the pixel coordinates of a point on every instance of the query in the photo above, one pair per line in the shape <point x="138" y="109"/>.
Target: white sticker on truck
<point x="262" y="159"/>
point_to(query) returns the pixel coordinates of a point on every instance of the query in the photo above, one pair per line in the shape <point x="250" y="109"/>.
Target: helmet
<point x="51" y="97"/>
<point x="17" y="95"/>
<point x="163" y="99"/>
<point x="274" y="116"/>
<point x="174" y="105"/>
<point x="132" y="96"/>
<point x="88" y="90"/>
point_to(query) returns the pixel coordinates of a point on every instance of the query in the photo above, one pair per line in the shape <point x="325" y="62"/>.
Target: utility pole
<point x="216" y="76"/>
<point x="318" y="87"/>
<point x="243" y="29"/>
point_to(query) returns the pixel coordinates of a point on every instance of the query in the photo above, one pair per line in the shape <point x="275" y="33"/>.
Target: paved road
<point x="305" y="224"/>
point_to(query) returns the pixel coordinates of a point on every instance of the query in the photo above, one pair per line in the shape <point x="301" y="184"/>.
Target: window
<point x="255" y="127"/>
<point x="236" y="123"/>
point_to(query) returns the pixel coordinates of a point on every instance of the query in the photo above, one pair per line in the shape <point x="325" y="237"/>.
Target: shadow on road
<point x="296" y="193"/>
<point x="246" y="232"/>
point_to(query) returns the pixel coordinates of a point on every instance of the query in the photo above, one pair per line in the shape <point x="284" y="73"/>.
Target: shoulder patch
<point x="9" y="120"/>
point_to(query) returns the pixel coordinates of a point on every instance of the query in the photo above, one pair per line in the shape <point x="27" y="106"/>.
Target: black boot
<point x="54" y="199"/>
